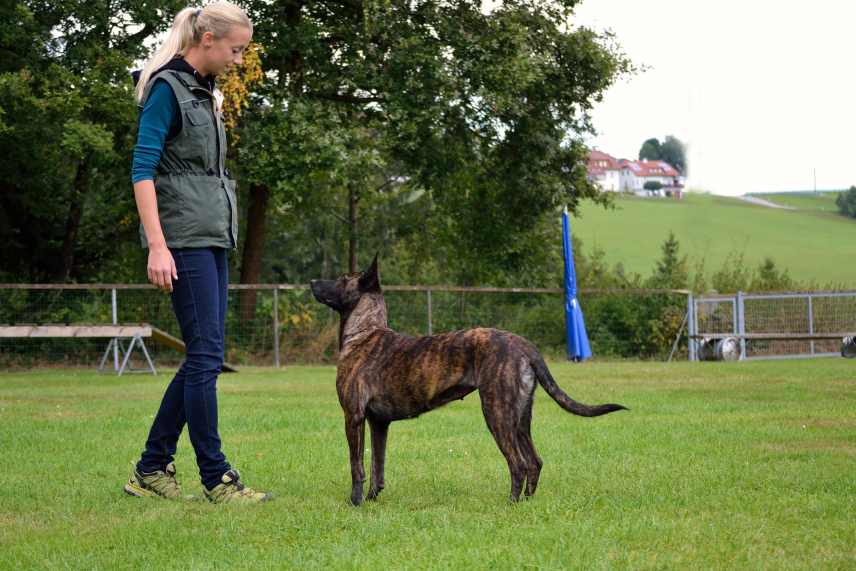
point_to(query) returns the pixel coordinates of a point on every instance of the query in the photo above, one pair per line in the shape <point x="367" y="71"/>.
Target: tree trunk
<point x="353" y="198"/>
<point x="72" y="223"/>
<point x="251" y="261"/>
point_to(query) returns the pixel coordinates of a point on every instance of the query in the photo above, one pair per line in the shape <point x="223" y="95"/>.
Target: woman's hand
<point x="161" y="267"/>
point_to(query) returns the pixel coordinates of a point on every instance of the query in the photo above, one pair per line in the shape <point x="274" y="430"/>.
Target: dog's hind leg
<point x="355" y="430"/>
<point x="502" y="421"/>
<point x="379" y="429"/>
<point x="534" y="464"/>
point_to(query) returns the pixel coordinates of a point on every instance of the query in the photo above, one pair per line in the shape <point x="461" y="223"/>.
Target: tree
<point x="66" y="113"/>
<point x="482" y="112"/>
<point x="846" y="202"/>
<point x="770" y="278"/>
<point x="653" y="185"/>
<point x="449" y="134"/>
<point x="650" y="150"/>
<point x="671" y="270"/>
<point x="672" y="151"/>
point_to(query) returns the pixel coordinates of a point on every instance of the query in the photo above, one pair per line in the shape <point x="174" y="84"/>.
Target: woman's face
<point x="221" y="54"/>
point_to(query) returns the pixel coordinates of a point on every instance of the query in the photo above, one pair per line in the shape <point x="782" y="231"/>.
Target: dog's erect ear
<point x="370" y="278"/>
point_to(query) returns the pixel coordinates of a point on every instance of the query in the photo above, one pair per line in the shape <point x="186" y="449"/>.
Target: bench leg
<point x="111" y="344"/>
<point x="127" y="355"/>
<point x="149" y="359"/>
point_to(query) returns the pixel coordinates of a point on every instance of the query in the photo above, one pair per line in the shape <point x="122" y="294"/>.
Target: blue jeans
<point x="199" y="301"/>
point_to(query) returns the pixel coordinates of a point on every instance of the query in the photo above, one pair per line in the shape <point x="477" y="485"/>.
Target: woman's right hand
<point x="161" y="268"/>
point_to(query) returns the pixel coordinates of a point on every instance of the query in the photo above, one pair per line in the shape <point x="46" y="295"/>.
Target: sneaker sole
<point x="134" y="490"/>
<point x="266" y="498"/>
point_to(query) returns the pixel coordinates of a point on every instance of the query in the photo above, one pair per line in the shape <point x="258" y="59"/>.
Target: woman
<point x="189" y="220"/>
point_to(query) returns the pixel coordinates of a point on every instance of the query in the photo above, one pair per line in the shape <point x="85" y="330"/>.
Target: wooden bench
<point x="135" y="331"/>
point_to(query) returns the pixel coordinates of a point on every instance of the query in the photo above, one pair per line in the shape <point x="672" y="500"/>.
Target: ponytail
<point x="187" y="29"/>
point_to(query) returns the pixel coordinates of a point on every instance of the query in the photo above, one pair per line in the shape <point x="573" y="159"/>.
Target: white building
<point x="622" y="175"/>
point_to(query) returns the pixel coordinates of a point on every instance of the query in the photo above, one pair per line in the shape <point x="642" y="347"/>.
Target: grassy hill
<point x="823" y="201"/>
<point x="812" y="241"/>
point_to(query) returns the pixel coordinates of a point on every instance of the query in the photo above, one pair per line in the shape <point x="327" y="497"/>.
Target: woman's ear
<point x="207" y="39"/>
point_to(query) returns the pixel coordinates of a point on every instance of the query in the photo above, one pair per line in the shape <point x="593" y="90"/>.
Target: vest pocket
<point x="197" y="116"/>
<point x="199" y="137"/>
<point x="207" y="212"/>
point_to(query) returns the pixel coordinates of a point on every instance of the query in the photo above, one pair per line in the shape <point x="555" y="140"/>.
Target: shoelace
<point x="236" y="481"/>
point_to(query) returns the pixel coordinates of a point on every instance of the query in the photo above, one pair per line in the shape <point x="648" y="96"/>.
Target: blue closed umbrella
<point x="578" y="343"/>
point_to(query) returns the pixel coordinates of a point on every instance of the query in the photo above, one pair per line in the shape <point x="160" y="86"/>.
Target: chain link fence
<point x="279" y="324"/>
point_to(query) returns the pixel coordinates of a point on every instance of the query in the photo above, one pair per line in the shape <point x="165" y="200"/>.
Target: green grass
<point x="812" y="244"/>
<point x="822" y="201"/>
<point x="738" y="465"/>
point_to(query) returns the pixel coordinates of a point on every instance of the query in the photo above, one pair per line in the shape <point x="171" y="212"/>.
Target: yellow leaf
<point x="236" y="85"/>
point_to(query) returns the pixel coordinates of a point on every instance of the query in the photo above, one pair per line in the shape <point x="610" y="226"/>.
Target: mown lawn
<point x="739" y="465"/>
<point x="821" y="201"/>
<point x="808" y="242"/>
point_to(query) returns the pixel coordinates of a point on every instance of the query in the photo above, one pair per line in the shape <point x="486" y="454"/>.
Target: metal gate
<point x="775" y="325"/>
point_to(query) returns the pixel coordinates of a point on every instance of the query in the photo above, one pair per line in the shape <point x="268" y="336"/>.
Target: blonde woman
<point x="189" y="221"/>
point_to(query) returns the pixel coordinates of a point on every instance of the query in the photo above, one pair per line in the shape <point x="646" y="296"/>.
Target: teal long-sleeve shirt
<point x="159" y="122"/>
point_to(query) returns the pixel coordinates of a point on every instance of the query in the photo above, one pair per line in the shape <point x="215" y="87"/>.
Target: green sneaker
<point x="233" y="491"/>
<point x="157" y="484"/>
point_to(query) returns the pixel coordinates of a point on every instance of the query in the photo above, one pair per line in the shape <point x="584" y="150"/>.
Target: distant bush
<point x="653" y="185"/>
<point x="846" y="202"/>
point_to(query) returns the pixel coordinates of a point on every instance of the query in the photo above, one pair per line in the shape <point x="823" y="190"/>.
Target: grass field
<point x="811" y="242"/>
<point x="739" y="465"/>
<point x="822" y="201"/>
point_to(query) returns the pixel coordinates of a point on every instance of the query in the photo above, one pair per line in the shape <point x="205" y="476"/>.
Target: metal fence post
<point x="430" y="324"/>
<point x="275" y="327"/>
<point x="115" y="322"/>
<point x="741" y="324"/>
<point x="810" y="322"/>
<point x="691" y="328"/>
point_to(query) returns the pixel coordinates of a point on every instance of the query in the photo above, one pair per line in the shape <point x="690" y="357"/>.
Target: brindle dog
<point x="385" y="376"/>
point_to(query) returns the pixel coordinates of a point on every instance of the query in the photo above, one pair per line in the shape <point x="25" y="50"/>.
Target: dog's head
<point x="344" y="293"/>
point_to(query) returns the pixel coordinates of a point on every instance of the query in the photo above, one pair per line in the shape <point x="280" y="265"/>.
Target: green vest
<point x="197" y="204"/>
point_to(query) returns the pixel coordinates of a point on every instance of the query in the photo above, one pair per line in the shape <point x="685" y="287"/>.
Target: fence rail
<point x="271" y="324"/>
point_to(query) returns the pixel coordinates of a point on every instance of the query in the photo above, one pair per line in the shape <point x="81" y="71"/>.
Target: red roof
<point x="655" y="168"/>
<point x="600" y="162"/>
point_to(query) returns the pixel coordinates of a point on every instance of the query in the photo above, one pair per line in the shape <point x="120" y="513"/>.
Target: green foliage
<point x="478" y="117"/>
<point x="650" y="150"/>
<point x="672" y="151"/>
<point x="770" y="278"/>
<point x="671" y="270"/>
<point x="846" y="202"/>
<point x="653" y="185"/>
<point x="66" y="134"/>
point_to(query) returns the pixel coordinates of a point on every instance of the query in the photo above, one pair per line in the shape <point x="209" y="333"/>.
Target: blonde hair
<point x="186" y="32"/>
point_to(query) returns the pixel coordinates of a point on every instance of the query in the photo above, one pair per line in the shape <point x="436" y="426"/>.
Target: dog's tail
<point x="542" y="373"/>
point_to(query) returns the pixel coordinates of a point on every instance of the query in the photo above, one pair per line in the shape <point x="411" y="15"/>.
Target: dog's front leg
<point x="355" y="430"/>
<point x="379" y="431"/>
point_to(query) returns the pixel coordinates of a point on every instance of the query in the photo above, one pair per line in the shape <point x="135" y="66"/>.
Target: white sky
<point x="762" y="91"/>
